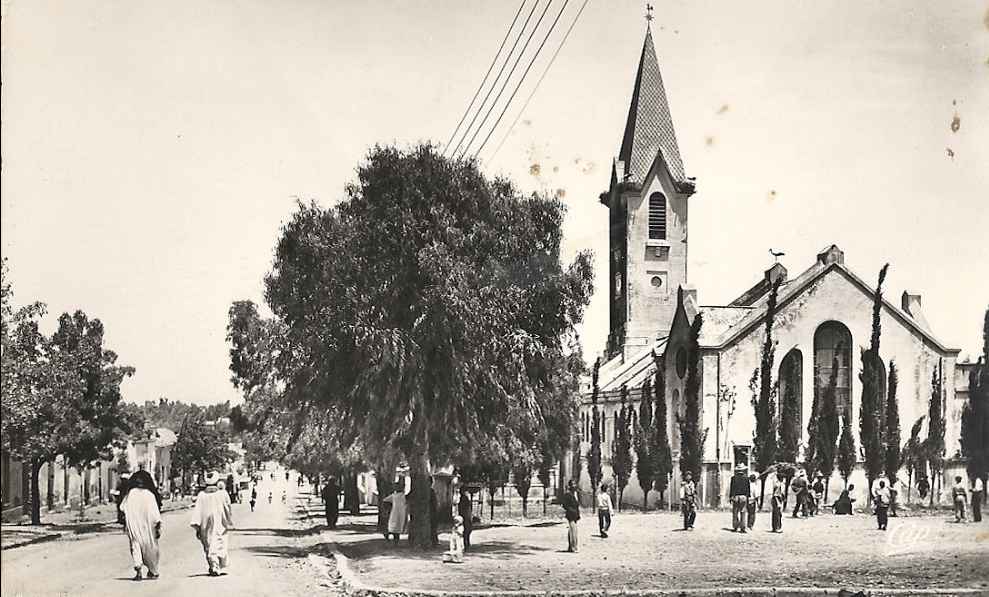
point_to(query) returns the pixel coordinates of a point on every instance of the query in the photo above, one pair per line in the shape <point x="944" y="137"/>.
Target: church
<point x="824" y="313"/>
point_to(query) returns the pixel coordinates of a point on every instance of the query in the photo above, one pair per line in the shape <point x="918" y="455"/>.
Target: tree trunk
<point x="762" y="490"/>
<point x="35" y="492"/>
<point x="420" y="534"/>
<point x="525" y="504"/>
<point x="355" y="495"/>
<point x="544" y="500"/>
<point x="385" y="488"/>
<point x="909" y="484"/>
<point x="51" y="485"/>
<point x="786" y="493"/>
<point x="491" y="503"/>
<point x="645" y="500"/>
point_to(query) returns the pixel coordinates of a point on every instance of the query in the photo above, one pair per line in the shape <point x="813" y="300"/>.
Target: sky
<point x="151" y="151"/>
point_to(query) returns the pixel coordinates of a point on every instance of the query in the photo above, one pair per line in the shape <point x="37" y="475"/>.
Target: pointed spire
<point x="649" y="128"/>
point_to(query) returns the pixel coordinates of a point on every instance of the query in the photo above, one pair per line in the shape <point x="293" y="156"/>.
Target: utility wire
<point x="495" y="82"/>
<point x="485" y="80"/>
<point x="507" y="79"/>
<point x="536" y="88"/>
<point x="521" y="80"/>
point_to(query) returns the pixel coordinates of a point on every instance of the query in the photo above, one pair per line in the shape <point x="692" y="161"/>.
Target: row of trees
<point x="60" y="392"/>
<point x="424" y="319"/>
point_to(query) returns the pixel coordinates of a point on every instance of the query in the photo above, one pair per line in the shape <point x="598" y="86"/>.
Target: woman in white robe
<point x="143" y="523"/>
<point x="399" y="517"/>
<point x="211" y="519"/>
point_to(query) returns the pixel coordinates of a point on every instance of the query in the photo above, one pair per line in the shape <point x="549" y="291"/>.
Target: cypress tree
<point x="691" y="437"/>
<point x="934" y="445"/>
<point x="594" y="456"/>
<point x="871" y="411"/>
<point x="645" y="466"/>
<point x="913" y="454"/>
<point x="621" y="449"/>
<point x="894" y="457"/>
<point x="659" y="445"/>
<point x="846" y="451"/>
<point x="827" y="433"/>
<point x="764" y="441"/>
<point x="975" y="416"/>
<point x="810" y="448"/>
<point x="789" y="414"/>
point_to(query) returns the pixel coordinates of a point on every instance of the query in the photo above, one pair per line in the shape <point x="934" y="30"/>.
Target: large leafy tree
<point x="765" y="440"/>
<point x="871" y="411"/>
<point x="659" y="439"/>
<point x="428" y="311"/>
<point x="645" y="464"/>
<point x="691" y="435"/>
<point x="200" y="447"/>
<point x="975" y="416"/>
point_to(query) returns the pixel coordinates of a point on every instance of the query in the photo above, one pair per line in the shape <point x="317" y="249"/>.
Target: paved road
<point x="267" y="556"/>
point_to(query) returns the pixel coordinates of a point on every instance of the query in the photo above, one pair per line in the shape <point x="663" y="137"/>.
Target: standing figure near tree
<point x="398" y="517"/>
<point x="779" y="492"/>
<point x="753" y="503"/>
<point x="880" y="497"/>
<point x="688" y="501"/>
<point x="959" y="495"/>
<point x="799" y="487"/>
<point x="466" y="511"/>
<point x="604" y="511"/>
<point x="571" y="509"/>
<point x="331" y="501"/>
<point x="738" y="493"/>
<point x="978" y="491"/>
<point x="817" y="496"/>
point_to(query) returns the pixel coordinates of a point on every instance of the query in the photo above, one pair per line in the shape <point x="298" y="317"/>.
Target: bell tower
<point x="647" y="205"/>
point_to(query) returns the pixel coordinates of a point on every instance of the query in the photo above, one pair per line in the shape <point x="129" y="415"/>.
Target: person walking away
<point x="211" y="520"/>
<point x="779" y="492"/>
<point x="142" y="519"/>
<point x="799" y="487"/>
<point x="254" y="497"/>
<point x="398" y="518"/>
<point x="959" y="495"/>
<point x="881" y="499"/>
<point x="688" y="501"/>
<point x="604" y="511"/>
<point x="331" y="501"/>
<point x="978" y="494"/>
<point x="465" y="509"/>
<point x="843" y="505"/>
<point x="738" y="493"/>
<point x="571" y="509"/>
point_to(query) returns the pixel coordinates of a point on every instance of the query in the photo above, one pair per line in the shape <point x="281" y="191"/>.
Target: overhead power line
<point x="508" y="57"/>
<point x="539" y="82"/>
<point x="508" y="78"/>
<point x="522" y="79"/>
<point x="485" y="79"/>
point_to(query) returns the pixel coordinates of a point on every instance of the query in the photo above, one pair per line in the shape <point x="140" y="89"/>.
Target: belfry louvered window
<point x="657" y="217"/>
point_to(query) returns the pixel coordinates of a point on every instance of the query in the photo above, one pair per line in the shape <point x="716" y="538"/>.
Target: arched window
<point x="791" y="399"/>
<point x="832" y="340"/>
<point x="657" y="217"/>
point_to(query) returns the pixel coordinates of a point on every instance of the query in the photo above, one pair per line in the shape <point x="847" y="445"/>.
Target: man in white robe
<point x="211" y="520"/>
<point x="142" y="519"/>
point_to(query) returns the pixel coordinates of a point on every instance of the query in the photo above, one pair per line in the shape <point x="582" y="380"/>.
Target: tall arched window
<point x="791" y="396"/>
<point x="832" y="340"/>
<point x="657" y="217"/>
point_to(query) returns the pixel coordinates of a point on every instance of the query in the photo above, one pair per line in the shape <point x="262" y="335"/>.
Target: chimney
<point x="911" y="304"/>
<point x="776" y="272"/>
<point x="831" y="255"/>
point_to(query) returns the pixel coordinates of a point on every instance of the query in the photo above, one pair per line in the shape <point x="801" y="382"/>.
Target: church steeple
<point x="649" y="128"/>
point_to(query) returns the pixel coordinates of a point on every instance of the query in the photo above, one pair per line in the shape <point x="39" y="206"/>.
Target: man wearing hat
<point x="211" y="520"/>
<point x="799" y="487"/>
<point x="739" y="493"/>
<point x="688" y="500"/>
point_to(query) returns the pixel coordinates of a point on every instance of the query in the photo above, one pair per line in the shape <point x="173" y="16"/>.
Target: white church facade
<point x="824" y="312"/>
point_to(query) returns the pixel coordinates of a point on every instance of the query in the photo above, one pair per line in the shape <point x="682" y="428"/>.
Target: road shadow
<point x="379" y="547"/>
<point x="280" y="532"/>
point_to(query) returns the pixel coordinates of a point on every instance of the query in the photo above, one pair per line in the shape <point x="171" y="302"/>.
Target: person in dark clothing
<point x="843" y="505"/>
<point x="466" y="511"/>
<point x="978" y="491"/>
<point x="799" y="487"/>
<point x="434" y="518"/>
<point x="232" y="489"/>
<point x="331" y="502"/>
<point x="739" y="493"/>
<point x="817" y="495"/>
<point x="144" y="480"/>
<point x="923" y="486"/>
<point x="753" y="503"/>
<point x="119" y="493"/>
<point x="688" y="501"/>
<point x="571" y="509"/>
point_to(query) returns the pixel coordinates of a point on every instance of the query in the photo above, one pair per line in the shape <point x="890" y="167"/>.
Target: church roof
<point x="618" y="372"/>
<point x="649" y="128"/>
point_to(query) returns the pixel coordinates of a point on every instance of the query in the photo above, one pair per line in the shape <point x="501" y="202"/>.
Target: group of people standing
<point x="140" y="507"/>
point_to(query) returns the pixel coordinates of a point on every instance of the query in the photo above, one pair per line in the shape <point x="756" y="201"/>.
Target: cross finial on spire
<point x="649" y="16"/>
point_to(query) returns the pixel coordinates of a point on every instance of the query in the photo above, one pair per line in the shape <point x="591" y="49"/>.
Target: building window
<point x="791" y="385"/>
<point x="832" y="340"/>
<point x="657" y="217"/>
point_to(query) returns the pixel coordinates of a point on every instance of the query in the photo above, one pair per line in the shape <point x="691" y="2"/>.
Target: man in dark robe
<point x="331" y="502"/>
<point x="466" y="511"/>
<point x="843" y="505"/>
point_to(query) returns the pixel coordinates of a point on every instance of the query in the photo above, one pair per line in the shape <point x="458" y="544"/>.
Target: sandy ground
<point x="652" y="551"/>
<point x="268" y="557"/>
